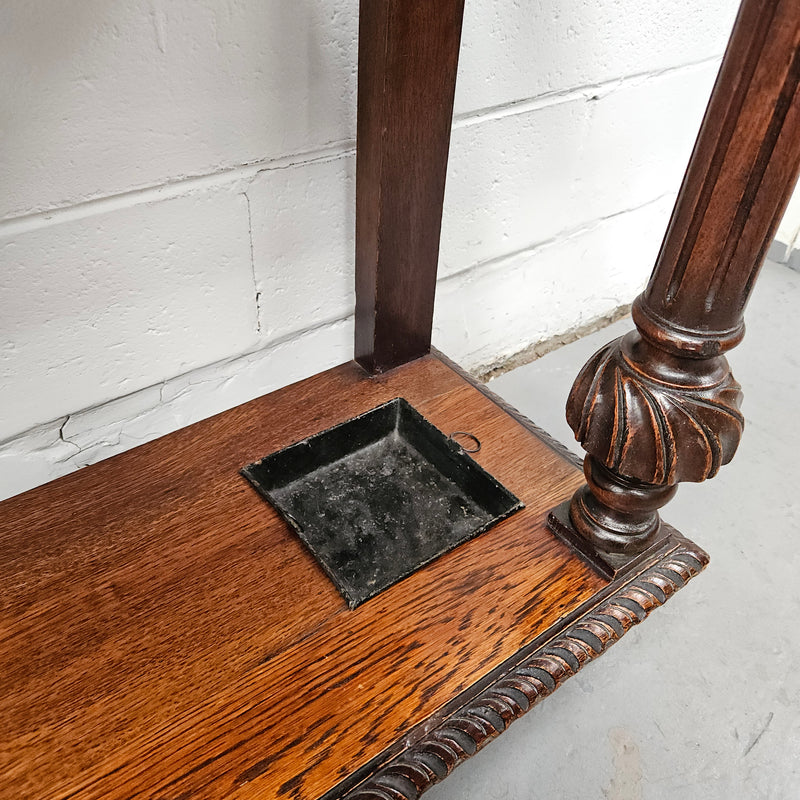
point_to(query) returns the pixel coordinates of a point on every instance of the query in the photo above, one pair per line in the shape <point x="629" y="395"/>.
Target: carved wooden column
<point x="660" y="405"/>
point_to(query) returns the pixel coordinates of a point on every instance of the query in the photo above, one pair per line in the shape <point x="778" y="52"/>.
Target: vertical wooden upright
<point x="407" y="62"/>
<point x="660" y="405"/>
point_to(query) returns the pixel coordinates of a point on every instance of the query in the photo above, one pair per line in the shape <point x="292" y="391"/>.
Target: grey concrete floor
<point x="703" y="699"/>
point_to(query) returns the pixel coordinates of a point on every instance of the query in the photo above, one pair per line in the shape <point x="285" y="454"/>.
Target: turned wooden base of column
<point x="609" y="565"/>
<point x="168" y="635"/>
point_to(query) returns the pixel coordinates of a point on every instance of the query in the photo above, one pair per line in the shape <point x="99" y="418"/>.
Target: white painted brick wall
<point x="522" y="298"/>
<point x="176" y="215"/>
<point x="108" y="304"/>
<point x="786" y="247"/>
<point x="303" y="244"/>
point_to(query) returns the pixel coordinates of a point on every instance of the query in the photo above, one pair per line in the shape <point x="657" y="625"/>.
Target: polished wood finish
<point x="407" y="61"/>
<point x="166" y="634"/>
<point x="533" y="675"/>
<point x="738" y="183"/>
<point x="660" y="405"/>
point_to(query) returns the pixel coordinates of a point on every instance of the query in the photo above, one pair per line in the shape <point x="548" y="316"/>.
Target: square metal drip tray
<point x="380" y="496"/>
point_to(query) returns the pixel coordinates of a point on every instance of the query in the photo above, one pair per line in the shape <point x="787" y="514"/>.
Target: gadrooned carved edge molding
<point x="469" y="729"/>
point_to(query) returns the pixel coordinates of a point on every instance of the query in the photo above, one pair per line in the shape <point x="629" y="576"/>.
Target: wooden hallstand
<point x="165" y="633"/>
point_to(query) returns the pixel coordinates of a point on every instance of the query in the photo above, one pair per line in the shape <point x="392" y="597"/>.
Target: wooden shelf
<point x="166" y="635"/>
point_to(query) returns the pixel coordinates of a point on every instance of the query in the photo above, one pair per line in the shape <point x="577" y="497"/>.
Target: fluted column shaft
<point x="738" y="183"/>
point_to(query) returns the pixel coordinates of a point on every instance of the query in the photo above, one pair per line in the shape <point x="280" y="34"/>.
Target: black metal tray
<point x="379" y="496"/>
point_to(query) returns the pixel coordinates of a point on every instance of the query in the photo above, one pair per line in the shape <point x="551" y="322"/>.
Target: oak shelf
<point x="167" y="635"/>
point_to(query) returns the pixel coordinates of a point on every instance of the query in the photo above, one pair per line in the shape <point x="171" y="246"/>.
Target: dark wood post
<point x="407" y="62"/>
<point x="660" y="405"/>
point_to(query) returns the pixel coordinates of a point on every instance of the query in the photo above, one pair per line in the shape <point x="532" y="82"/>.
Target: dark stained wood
<point x="166" y="635"/>
<point x="738" y="183"/>
<point x="407" y="61"/>
<point x="660" y="405"/>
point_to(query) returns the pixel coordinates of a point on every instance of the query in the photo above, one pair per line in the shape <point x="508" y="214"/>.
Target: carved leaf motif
<point x="651" y="431"/>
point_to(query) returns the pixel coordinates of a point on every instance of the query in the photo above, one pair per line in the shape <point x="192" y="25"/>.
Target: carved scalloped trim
<point x="469" y="729"/>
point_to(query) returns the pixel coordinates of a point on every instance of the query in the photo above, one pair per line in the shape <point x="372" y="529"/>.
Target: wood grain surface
<point x="534" y="674"/>
<point x="166" y="635"/>
<point x="407" y="63"/>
